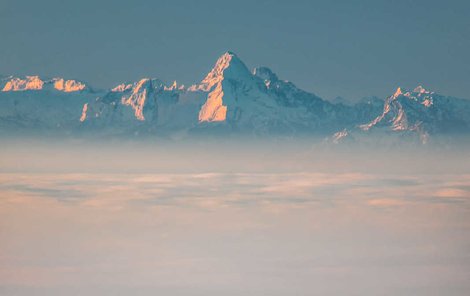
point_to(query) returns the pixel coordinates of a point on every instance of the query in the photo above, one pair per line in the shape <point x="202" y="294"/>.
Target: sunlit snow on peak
<point x="214" y="109"/>
<point x="68" y="85"/>
<point x="136" y="99"/>
<point x="174" y="86"/>
<point x="28" y="83"/>
<point x="216" y="75"/>
<point x="398" y="92"/>
<point x="122" y="87"/>
<point x="420" y="89"/>
<point x="36" y="83"/>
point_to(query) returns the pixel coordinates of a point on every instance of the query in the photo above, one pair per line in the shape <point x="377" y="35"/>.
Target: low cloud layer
<point x="284" y="229"/>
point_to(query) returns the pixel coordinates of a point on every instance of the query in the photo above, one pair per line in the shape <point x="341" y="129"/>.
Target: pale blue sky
<point x="332" y="48"/>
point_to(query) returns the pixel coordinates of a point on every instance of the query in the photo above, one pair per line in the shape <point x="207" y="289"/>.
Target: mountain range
<point x="230" y="100"/>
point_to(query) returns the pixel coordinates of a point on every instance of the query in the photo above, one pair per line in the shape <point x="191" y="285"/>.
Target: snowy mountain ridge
<point x="11" y="83"/>
<point x="229" y="99"/>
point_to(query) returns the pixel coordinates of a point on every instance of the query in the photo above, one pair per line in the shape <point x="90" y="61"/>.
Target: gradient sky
<point x="333" y="48"/>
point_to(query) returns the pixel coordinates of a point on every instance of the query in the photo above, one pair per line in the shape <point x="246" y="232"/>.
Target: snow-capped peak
<point x="419" y="94"/>
<point x="266" y="74"/>
<point x="422" y="95"/>
<point x="420" y="89"/>
<point x="417" y="91"/>
<point x="227" y="66"/>
<point x="26" y="83"/>
<point x="404" y="110"/>
<point x="138" y="93"/>
<point x="136" y="99"/>
<point x="138" y="86"/>
<point x="230" y="98"/>
<point x="68" y="85"/>
<point x="398" y="93"/>
<point x="36" y="83"/>
<point x="174" y="86"/>
<point x="122" y="87"/>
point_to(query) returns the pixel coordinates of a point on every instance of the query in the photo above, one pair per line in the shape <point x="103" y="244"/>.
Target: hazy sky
<point x="333" y="48"/>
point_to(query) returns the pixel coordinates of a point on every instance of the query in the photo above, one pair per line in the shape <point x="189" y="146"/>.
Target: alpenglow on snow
<point x="230" y="99"/>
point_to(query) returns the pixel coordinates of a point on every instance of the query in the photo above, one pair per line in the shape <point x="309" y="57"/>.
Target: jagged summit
<point x="68" y="85"/>
<point x="229" y="99"/>
<point x="174" y="86"/>
<point x="140" y="84"/>
<point x="227" y="66"/>
<point x="418" y="94"/>
<point x="137" y="97"/>
<point x="226" y="84"/>
<point x="401" y="109"/>
<point x="421" y="112"/>
<point x="419" y="90"/>
<point x="35" y="83"/>
<point x="266" y="74"/>
<point x="23" y="83"/>
<point x="398" y="93"/>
